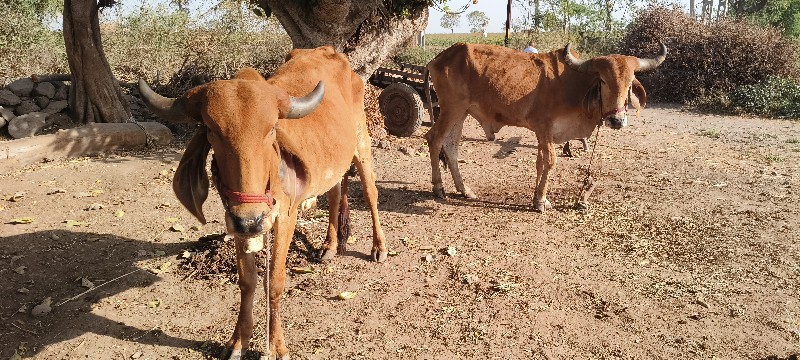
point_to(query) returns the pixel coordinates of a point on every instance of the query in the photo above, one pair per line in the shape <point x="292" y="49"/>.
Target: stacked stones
<point x="27" y="107"/>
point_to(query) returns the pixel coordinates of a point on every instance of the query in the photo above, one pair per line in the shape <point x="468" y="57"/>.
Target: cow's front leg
<point x="545" y="160"/>
<point x="275" y="282"/>
<point x="248" y="278"/>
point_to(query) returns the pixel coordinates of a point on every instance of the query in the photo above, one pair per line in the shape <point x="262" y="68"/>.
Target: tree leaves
<point x="22" y="220"/>
<point x="346" y="295"/>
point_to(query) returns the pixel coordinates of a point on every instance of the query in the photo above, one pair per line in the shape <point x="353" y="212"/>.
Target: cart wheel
<point x="402" y="109"/>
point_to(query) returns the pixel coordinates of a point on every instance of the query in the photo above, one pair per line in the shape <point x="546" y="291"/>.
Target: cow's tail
<point x="343" y="231"/>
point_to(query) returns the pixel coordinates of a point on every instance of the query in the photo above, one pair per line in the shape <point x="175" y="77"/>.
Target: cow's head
<point x="238" y="119"/>
<point x="615" y="85"/>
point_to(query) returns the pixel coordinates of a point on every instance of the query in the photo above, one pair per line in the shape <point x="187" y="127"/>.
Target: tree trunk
<point x="366" y="31"/>
<point x="94" y="95"/>
<point x="508" y="22"/>
<point x="82" y="141"/>
<point x="537" y="16"/>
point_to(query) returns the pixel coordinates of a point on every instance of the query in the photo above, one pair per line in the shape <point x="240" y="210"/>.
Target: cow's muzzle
<point x="247" y="225"/>
<point x="617" y="121"/>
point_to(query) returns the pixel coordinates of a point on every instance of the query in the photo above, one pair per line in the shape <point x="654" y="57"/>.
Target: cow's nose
<point x="617" y="121"/>
<point x="248" y="225"/>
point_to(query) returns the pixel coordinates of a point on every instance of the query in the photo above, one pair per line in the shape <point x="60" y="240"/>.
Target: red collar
<point x="243" y="197"/>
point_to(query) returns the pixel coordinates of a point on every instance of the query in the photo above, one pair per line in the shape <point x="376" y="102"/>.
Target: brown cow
<point x="556" y="95"/>
<point x="272" y="151"/>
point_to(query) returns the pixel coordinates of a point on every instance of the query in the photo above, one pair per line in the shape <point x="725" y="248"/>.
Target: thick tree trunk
<point x="366" y="31"/>
<point x="95" y="95"/>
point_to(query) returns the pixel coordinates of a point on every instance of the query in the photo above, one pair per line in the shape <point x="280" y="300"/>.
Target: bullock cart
<point x="406" y="93"/>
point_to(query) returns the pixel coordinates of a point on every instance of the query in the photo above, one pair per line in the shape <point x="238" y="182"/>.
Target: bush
<point x="777" y="97"/>
<point x="27" y="46"/>
<point x="166" y="41"/>
<point x="417" y="55"/>
<point x="706" y="59"/>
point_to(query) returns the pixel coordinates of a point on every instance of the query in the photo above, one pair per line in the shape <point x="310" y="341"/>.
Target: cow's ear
<point x="193" y="101"/>
<point x="591" y="99"/>
<point x="641" y="96"/>
<point x="191" y="179"/>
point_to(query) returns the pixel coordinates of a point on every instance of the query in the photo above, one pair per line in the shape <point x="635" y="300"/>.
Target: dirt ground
<point x="689" y="250"/>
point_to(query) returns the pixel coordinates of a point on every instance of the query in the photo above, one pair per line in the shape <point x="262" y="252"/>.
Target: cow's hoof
<point x="469" y="194"/>
<point x="439" y="193"/>
<point x="379" y="255"/>
<point x="275" y="357"/>
<point x="327" y="254"/>
<point x="541" y="206"/>
<point x="231" y="354"/>
<point x="581" y="206"/>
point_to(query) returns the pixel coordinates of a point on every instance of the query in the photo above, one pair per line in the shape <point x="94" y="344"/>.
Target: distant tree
<point x="450" y="21"/>
<point x="782" y="14"/>
<point x="478" y="21"/>
<point x="531" y="16"/>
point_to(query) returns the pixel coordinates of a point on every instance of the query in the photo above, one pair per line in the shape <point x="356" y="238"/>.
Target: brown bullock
<point x="277" y="143"/>
<point x="556" y="95"/>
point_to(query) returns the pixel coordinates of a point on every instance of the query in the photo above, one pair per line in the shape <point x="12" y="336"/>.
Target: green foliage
<point x="777" y="97"/>
<point x="417" y="55"/>
<point x="706" y="59"/>
<point x="772" y="158"/>
<point x="34" y="8"/>
<point x="711" y="133"/>
<point x="782" y="14"/>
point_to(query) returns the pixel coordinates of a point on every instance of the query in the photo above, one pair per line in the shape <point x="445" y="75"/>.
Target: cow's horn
<point x="169" y="109"/>
<point x="576" y="64"/>
<point x="650" y="64"/>
<point x="303" y="106"/>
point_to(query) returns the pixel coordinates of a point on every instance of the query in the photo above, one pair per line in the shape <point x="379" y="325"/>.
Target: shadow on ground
<point x="51" y="264"/>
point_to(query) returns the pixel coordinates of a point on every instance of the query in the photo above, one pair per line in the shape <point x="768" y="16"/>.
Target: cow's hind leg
<point x="332" y="239"/>
<point x="248" y="279"/>
<point x="450" y="148"/>
<point x="436" y="136"/>
<point x="545" y="160"/>
<point x="274" y="286"/>
<point x="363" y="161"/>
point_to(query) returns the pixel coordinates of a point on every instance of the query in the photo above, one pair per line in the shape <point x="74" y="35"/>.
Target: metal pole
<point x="508" y="21"/>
